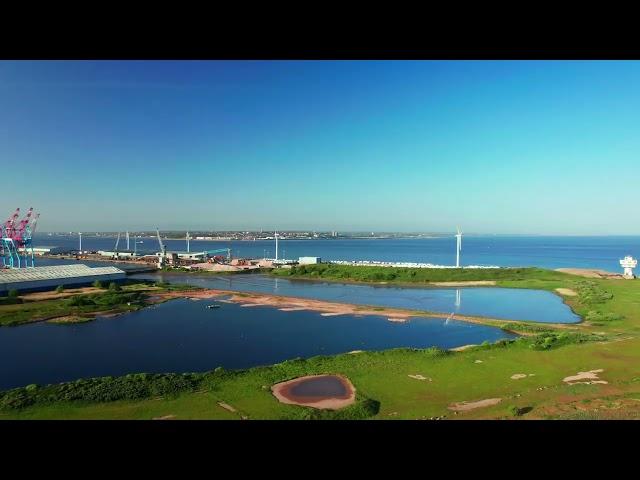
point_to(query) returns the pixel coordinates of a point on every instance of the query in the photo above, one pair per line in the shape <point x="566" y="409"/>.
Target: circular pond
<point x="318" y="391"/>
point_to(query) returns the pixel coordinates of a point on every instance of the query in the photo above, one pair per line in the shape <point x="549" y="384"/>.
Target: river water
<point x="504" y="303"/>
<point x="184" y="336"/>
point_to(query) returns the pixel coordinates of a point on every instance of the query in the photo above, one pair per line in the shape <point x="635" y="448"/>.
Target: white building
<point x="309" y="260"/>
<point x="628" y="263"/>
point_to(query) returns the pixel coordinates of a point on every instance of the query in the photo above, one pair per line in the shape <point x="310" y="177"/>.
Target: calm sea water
<point x="507" y="303"/>
<point x="541" y="251"/>
<point x="184" y="336"/>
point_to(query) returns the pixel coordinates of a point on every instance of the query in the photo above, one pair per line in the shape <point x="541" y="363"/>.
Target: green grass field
<point x="607" y="340"/>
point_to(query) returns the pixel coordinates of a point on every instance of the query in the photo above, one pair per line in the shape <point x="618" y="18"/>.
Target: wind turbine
<point x="458" y="246"/>
<point x="188" y="238"/>
<point x="276" y="236"/>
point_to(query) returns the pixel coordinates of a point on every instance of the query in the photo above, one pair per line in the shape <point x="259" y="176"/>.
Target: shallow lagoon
<point x="504" y="303"/>
<point x="184" y="336"/>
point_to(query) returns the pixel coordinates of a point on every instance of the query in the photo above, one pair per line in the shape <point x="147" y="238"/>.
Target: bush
<point x="546" y="341"/>
<point x="114" y="287"/>
<point x="105" y="389"/>
<point x="97" y="284"/>
<point x="590" y="293"/>
<point x="13" y="293"/>
<point x="10" y="300"/>
<point x="596" y="316"/>
<point x="60" y="289"/>
<point x="80" y="301"/>
<point x="513" y="410"/>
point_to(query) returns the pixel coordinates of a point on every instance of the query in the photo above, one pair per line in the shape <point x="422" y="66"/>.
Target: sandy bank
<point x="328" y="309"/>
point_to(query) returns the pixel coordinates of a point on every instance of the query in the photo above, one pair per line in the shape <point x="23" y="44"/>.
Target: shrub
<point x="596" y="316"/>
<point x="13" y="293"/>
<point x="545" y="341"/>
<point x="97" y="284"/>
<point x="10" y="300"/>
<point x="60" y="289"/>
<point x="513" y="411"/>
<point x="114" y="287"/>
<point x="80" y="301"/>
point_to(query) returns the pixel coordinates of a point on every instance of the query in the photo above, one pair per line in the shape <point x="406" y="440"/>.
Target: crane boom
<point x="160" y="241"/>
<point x="34" y="223"/>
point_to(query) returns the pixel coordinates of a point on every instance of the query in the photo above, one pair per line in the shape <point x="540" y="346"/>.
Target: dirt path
<point x="591" y="376"/>
<point x="567" y="292"/>
<point x="589" y="272"/>
<point x="53" y="295"/>
<point x="465" y="406"/>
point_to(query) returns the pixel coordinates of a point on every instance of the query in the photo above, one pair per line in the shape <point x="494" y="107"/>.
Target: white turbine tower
<point x="188" y="238"/>
<point x="458" y="247"/>
<point x="127" y="240"/>
<point x="276" y="236"/>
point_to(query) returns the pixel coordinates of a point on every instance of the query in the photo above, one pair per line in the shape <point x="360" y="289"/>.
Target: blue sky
<point x="493" y="146"/>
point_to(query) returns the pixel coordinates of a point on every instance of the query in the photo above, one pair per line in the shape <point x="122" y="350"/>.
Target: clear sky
<point x="495" y="147"/>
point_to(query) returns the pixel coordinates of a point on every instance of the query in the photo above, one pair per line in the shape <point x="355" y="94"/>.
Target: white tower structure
<point x="188" y="238"/>
<point x="458" y="247"/>
<point x="80" y="236"/>
<point x="127" y="240"/>
<point x="628" y="263"/>
<point x="276" y="236"/>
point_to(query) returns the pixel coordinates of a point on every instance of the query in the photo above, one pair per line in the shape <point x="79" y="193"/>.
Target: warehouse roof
<point x="53" y="272"/>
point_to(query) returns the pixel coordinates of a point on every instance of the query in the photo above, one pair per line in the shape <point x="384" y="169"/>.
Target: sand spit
<point x="166" y="417"/>
<point x="463" y="347"/>
<point x="590" y="375"/>
<point x="397" y="320"/>
<point x="285" y="393"/>
<point x="332" y="308"/>
<point x="465" y="406"/>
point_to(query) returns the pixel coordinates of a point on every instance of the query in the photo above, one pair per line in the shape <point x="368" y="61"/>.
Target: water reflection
<point x="502" y="303"/>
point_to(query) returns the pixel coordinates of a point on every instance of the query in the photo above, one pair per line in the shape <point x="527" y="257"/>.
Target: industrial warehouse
<point x="44" y="278"/>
